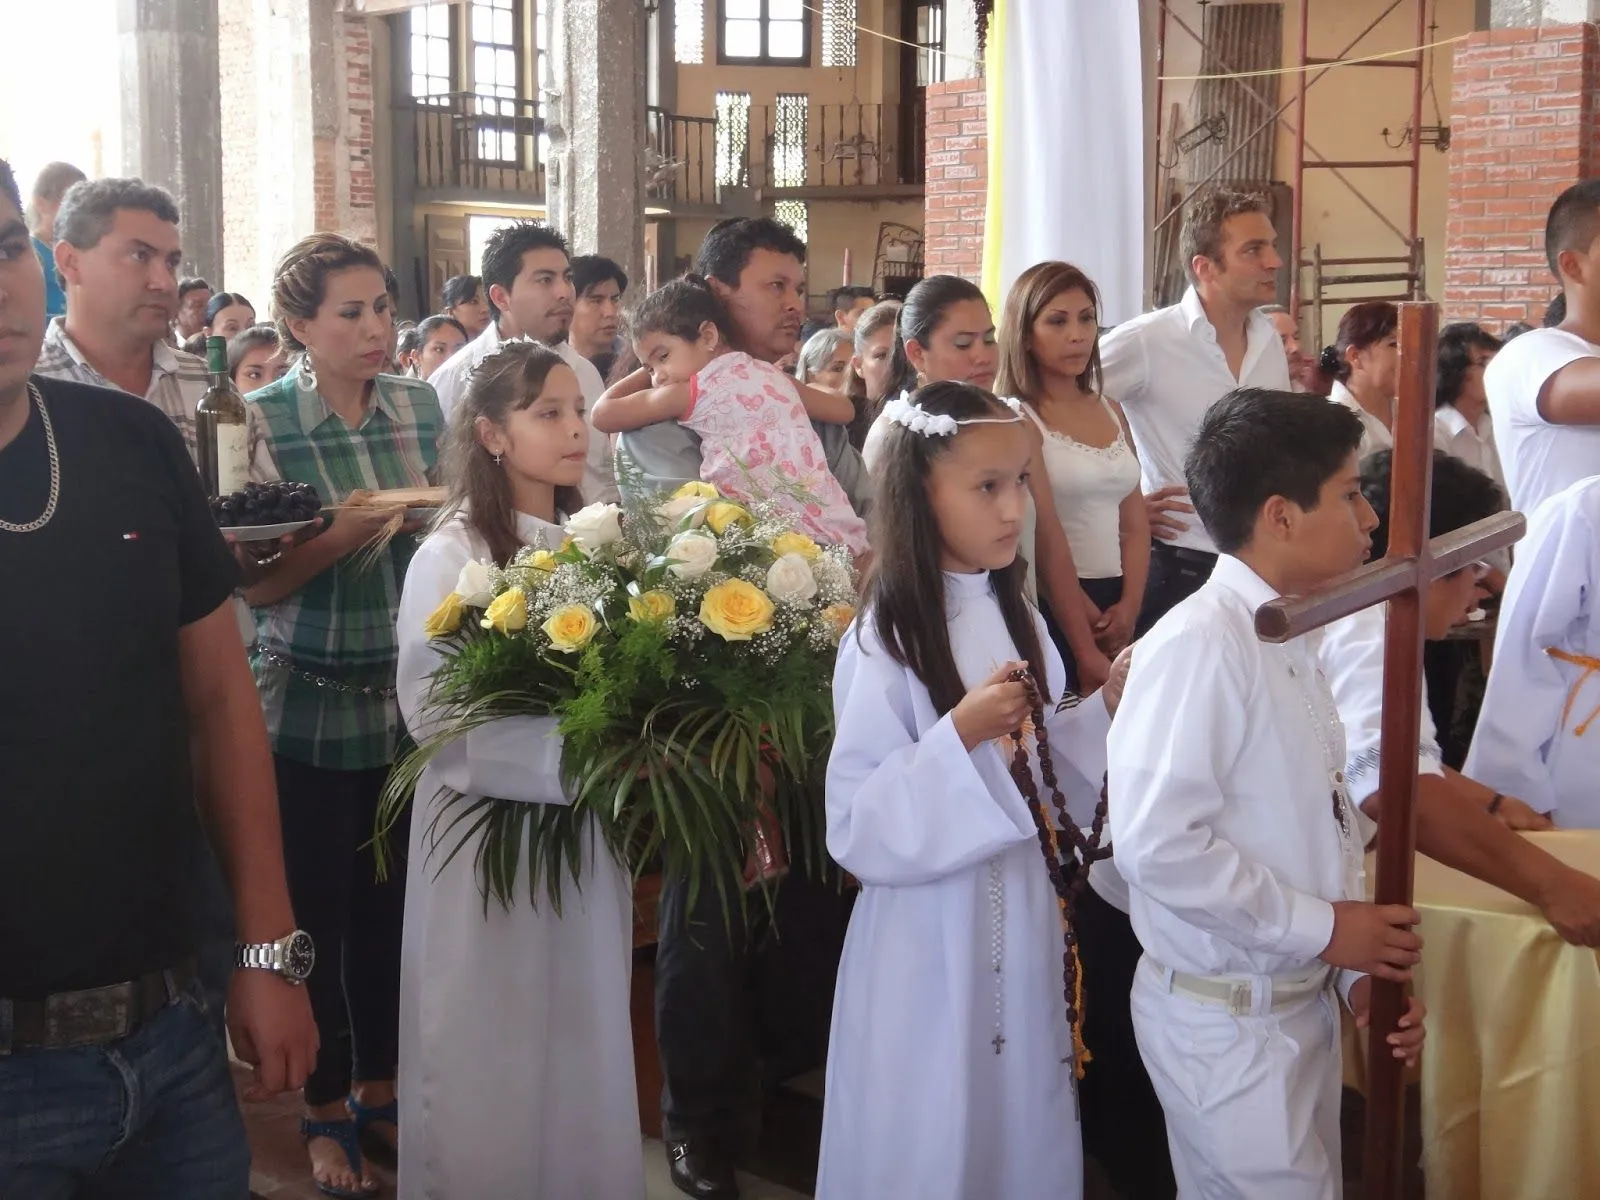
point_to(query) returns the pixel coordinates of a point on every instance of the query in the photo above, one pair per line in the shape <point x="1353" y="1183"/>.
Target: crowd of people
<point x="1065" y="532"/>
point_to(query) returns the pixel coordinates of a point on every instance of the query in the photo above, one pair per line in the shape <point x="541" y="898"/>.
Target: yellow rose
<point x="567" y="543"/>
<point x="736" y="611"/>
<point x="694" y="489"/>
<point x="507" y="612"/>
<point x="796" y="543"/>
<point x="542" y="560"/>
<point x="446" y="619"/>
<point x="653" y="605"/>
<point x="837" y="617"/>
<point x="570" y="628"/>
<point x="724" y="513"/>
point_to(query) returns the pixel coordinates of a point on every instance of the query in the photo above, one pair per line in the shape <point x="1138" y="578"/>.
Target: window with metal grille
<point x="929" y="36"/>
<point x="764" y="31"/>
<point x="543" y="83"/>
<point x="838" y="33"/>
<point x="793" y="214"/>
<point x="689" y="31"/>
<point x="430" y="52"/>
<point x="789" y="140"/>
<point x="733" y="139"/>
<point x="496" y="74"/>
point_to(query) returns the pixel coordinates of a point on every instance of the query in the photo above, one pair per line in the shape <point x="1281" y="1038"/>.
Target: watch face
<point x="299" y="955"/>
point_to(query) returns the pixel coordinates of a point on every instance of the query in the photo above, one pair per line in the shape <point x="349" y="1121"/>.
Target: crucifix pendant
<point x="997" y="1041"/>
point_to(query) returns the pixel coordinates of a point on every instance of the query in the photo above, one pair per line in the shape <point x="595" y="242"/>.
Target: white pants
<point x="1252" y="1102"/>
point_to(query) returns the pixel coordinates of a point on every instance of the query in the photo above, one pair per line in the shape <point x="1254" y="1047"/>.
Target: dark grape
<point x="276" y="503"/>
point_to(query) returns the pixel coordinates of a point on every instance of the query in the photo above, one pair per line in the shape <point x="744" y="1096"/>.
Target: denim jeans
<point x="150" y="1116"/>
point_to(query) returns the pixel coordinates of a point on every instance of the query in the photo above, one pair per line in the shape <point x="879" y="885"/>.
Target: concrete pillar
<point x="595" y="181"/>
<point x="1524" y="14"/>
<point x="171" y="115"/>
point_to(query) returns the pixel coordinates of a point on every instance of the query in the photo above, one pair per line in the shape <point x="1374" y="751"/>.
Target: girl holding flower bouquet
<point x="953" y="1050"/>
<point x="515" y="1042"/>
<point x="753" y="421"/>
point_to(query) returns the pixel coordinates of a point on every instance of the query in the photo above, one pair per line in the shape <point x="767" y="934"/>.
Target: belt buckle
<point x="89" y="1017"/>
<point x="1241" y="998"/>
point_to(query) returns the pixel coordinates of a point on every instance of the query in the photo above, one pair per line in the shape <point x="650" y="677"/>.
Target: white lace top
<point x="1089" y="484"/>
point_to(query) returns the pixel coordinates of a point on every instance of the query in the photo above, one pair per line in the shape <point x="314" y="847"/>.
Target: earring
<point x="308" y="373"/>
<point x="497" y="459"/>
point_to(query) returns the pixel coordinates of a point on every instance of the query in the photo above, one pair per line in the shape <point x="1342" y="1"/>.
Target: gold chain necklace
<point x="55" y="472"/>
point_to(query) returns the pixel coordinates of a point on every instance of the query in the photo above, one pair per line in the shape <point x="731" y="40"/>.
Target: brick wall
<point x="1523" y="126"/>
<point x="357" y="214"/>
<point x="957" y="178"/>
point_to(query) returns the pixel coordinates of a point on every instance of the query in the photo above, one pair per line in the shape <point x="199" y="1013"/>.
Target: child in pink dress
<point x="754" y="422"/>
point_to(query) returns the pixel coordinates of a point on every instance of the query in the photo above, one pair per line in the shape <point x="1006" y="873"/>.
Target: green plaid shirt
<point x="334" y="706"/>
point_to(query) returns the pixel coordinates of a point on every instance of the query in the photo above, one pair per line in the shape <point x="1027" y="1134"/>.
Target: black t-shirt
<point x="98" y="823"/>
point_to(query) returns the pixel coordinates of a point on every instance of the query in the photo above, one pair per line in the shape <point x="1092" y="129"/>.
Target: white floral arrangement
<point x="686" y="646"/>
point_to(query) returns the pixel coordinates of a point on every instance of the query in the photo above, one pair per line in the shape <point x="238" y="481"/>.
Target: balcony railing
<point x="680" y="160"/>
<point x="471" y="143"/>
<point x="836" y="145"/>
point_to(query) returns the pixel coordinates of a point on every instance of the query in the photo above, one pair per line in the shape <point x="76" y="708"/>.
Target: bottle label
<point x="233" y="458"/>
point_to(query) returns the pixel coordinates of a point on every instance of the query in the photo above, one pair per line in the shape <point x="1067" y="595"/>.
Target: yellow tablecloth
<point x="1511" y="1070"/>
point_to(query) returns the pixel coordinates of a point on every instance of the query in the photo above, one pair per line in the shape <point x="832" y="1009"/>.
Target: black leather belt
<point x="1196" y="558"/>
<point x="93" y="1016"/>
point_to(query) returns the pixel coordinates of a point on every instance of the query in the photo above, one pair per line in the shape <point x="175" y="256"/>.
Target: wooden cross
<point x="1401" y="579"/>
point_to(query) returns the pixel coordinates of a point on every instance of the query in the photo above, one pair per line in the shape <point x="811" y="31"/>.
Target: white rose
<point x="475" y="585"/>
<point x="595" y="526"/>
<point x="692" y="554"/>
<point x="790" y="579"/>
<point x="674" y="510"/>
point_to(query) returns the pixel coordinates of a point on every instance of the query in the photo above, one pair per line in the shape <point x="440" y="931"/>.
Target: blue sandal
<point x="376" y="1147"/>
<point x="346" y="1135"/>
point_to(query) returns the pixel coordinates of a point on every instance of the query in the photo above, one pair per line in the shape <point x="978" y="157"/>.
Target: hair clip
<point x="904" y="411"/>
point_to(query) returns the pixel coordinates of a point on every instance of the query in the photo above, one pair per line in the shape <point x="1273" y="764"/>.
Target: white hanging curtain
<point x="1066" y="146"/>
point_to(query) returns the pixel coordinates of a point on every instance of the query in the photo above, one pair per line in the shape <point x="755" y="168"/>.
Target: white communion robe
<point x="1222" y="763"/>
<point x="516" y="1052"/>
<point x="919" y="1103"/>
<point x="1534" y="739"/>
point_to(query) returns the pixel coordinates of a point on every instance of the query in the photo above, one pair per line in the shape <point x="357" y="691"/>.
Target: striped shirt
<point x="178" y="382"/>
<point x="327" y="654"/>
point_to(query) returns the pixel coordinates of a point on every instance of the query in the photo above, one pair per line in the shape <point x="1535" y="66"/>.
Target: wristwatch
<point x="290" y="957"/>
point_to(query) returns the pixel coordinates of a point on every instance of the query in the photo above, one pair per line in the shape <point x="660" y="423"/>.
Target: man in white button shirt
<point x="1544" y="387"/>
<point x="528" y="278"/>
<point x="1168" y="367"/>
<point x="1232" y="826"/>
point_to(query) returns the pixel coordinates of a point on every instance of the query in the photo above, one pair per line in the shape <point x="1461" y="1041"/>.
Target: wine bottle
<point x="219" y="434"/>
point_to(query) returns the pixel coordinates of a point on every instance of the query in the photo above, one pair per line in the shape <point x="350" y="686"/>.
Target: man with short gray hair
<point x="118" y="251"/>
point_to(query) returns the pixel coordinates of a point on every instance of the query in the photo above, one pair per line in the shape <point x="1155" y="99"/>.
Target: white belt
<point x="1238" y="996"/>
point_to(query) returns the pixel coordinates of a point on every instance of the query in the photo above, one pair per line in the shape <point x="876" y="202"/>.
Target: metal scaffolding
<point x="1330" y="276"/>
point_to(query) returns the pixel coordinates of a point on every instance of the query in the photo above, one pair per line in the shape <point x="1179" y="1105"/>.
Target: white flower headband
<point x="903" y="411"/>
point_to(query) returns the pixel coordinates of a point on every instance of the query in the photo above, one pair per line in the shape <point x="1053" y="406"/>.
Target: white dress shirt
<point x="1534" y="738"/>
<point x="1539" y="459"/>
<point x="1375" y="435"/>
<point x="1472" y="444"/>
<point x="1222" y="760"/>
<point x="1166" y="369"/>
<point x="1352" y="659"/>
<point x="450" y="380"/>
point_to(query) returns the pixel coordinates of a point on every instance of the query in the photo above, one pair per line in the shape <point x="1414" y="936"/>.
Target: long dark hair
<point x="1030" y="295"/>
<point x="905" y="588"/>
<point x="920" y="316"/>
<point x="1364" y="325"/>
<point x="508" y="380"/>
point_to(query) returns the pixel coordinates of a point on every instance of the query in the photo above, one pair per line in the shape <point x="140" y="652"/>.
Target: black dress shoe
<point x="700" y="1172"/>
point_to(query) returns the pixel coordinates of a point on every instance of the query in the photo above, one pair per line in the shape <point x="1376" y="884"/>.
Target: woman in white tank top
<point x="1050" y="359"/>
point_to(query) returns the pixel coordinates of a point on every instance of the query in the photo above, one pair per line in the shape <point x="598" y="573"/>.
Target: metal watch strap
<point x="261" y="956"/>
